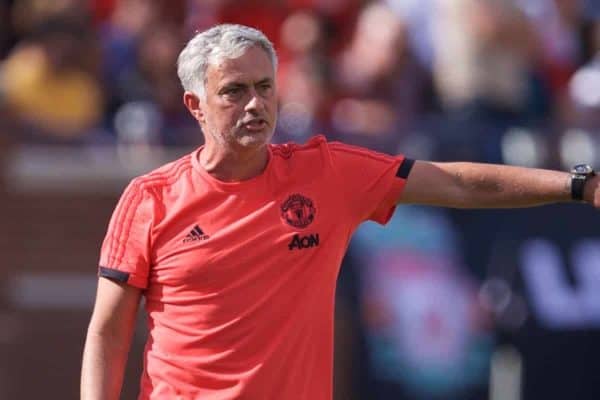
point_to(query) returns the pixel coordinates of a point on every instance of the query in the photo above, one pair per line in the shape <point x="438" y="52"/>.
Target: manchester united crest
<point x="298" y="211"/>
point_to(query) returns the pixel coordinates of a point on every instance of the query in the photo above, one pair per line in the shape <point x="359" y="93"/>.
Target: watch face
<point x="583" y="169"/>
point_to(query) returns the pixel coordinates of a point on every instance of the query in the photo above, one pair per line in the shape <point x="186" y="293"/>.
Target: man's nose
<point x="255" y="102"/>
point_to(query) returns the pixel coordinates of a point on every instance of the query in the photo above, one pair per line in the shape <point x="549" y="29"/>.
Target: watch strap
<point x="577" y="186"/>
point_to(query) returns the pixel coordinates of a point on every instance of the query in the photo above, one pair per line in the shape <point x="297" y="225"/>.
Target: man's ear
<point x="194" y="106"/>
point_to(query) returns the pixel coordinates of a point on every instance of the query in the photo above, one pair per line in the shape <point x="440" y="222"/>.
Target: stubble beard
<point x="239" y="138"/>
<point x="244" y="138"/>
<point x="254" y="139"/>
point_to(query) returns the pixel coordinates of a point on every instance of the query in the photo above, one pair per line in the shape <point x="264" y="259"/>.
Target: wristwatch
<point x="579" y="176"/>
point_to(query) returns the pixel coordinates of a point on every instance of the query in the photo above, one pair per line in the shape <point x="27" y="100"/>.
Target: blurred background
<point x="439" y="305"/>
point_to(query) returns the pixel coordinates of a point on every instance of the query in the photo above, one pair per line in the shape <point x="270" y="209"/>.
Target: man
<point x="236" y="247"/>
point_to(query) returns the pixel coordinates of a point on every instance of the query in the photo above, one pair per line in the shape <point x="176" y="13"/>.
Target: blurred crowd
<point x="516" y="81"/>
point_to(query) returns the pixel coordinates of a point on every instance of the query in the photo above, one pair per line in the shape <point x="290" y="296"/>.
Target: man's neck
<point x="230" y="165"/>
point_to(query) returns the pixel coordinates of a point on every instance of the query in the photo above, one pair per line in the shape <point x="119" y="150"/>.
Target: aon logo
<point x="304" y="242"/>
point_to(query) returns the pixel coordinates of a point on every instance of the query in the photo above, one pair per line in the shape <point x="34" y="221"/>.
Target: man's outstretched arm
<point x="476" y="185"/>
<point x="108" y="340"/>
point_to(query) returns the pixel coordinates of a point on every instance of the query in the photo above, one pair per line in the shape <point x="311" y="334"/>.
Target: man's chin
<point x="254" y="139"/>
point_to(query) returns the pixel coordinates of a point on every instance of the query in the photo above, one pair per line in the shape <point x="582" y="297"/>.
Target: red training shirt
<point x="240" y="277"/>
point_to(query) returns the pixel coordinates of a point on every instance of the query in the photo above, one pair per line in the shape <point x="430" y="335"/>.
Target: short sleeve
<point x="125" y="253"/>
<point x="372" y="182"/>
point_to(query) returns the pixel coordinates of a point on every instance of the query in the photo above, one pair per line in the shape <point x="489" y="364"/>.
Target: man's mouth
<point x="255" y="125"/>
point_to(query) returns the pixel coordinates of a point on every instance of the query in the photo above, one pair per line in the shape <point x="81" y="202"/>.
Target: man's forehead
<point x="252" y="64"/>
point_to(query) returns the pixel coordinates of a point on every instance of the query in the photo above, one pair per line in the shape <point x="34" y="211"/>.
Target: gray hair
<point x="214" y="45"/>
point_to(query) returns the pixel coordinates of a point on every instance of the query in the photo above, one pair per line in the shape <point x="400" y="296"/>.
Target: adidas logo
<point x="195" y="234"/>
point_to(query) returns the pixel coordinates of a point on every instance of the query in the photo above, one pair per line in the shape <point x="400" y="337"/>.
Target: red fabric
<point x="102" y="9"/>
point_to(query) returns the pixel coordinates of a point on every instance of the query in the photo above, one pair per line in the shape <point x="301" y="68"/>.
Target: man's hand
<point x="591" y="191"/>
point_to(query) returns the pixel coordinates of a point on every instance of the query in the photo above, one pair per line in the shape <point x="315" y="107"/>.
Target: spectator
<point x="556" y="28"/>
<point x="304" y="77"/>
<point x="28" y="15"/>
<point x="49" y="83"/>
<point x="378" y="99"/>
<point x="481" y="54"/>
<point x="482" y="74"/>
<point x="119" y="38"/>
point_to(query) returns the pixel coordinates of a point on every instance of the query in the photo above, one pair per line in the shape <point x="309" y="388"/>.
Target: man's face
<point x="240" y="106"/>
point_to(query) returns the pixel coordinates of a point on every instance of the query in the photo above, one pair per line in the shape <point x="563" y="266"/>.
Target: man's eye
<point x="232" y="91"/>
